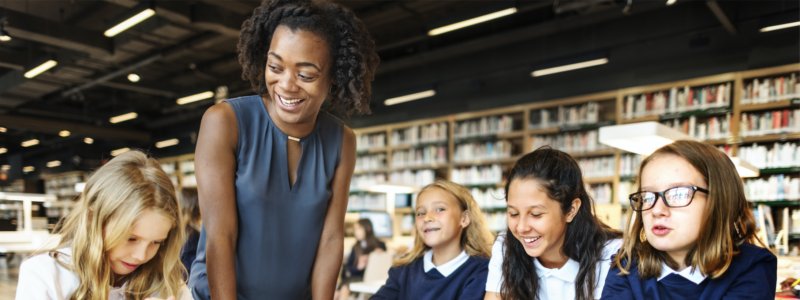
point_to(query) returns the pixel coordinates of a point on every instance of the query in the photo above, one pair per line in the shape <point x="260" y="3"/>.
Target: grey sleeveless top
<point x="279" y="226"/>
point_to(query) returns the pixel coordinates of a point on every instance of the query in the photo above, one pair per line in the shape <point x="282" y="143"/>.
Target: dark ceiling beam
<point x="238" y="7"/>
<point x="48" y="126"/>
<point x="12" y="79"/>
<point x="721" y="16"/>
<point x="138" y="89"/>
<point x="33" y="28"/>
<point x="113" y="75"/>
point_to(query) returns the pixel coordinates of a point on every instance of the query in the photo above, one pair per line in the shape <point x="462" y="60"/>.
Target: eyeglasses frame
<point x="695" y="189"/>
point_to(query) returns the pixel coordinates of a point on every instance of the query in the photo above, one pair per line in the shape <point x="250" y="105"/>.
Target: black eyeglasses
<point x="678" y="196"/>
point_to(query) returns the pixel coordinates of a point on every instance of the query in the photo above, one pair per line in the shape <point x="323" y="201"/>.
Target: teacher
<point x="273" y="170"/>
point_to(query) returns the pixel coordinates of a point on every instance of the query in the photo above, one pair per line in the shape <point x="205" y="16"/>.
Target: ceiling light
<point x="4" y="37"/>
<point x="88" y="140"/>
<point x="120" y="151"/>
<point x="124" y="117"/>
<point x="63" y="133"/>
<point x="3" y="129"/>
<point x="124" y="25"/>
<point x="671" y="2"/>
<point x="571" y="67"/>
<point x="28" y="169"/>
<point x="3" y="150"/>
<point x="29" y="143"/>
<point x="5" y="167"/>
<point x="472" y="21"/>
<point x="782" y="26"/>
<point x="642" y="138"/>
<point x="133" y="77"/>
<point x="53" y="164"/>
<point x="412" y="97"/>
<point x="195" y="97"/>
<point x="167" y="143"/>
<point x="41" y="68"/>
<point x="744" y="168"/>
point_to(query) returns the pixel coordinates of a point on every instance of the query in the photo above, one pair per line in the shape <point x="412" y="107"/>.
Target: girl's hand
<point x="153" y="298"/>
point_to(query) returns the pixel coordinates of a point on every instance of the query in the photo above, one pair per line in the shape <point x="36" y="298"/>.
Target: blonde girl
<point x="451" y="250"/>
<point x="121" y="241"/>
<point x="693" y="236"/>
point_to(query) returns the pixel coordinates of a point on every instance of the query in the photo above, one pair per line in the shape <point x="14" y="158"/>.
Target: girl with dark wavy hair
<point x="273" y="170"/>
<point x="555" y="247"/>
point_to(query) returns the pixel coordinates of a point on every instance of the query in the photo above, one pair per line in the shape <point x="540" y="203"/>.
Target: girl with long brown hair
<point x="366" y="243"/>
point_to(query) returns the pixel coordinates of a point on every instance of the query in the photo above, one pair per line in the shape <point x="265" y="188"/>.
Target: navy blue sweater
<point x="751" y="275"/>
<point x="411" y="282"/>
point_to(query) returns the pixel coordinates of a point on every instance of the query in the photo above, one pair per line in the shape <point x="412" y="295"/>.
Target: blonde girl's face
<point x="673" y="229"/>
<point x="440" y="219"/>
<point x="146" y="236"/>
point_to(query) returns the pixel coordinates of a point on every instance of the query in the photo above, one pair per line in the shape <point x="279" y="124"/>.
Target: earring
<point x="642" y="236"/>
<point x="332" y="90"/>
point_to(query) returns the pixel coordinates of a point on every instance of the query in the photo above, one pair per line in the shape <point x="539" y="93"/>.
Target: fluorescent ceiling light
<point x="472" y="21"/>
<point x="133" y="77"/>
<point x="571" y="67"/>
<point x="4" y="37"/>
<point x="744" y="168"/>
<point x="28" y="169"/>
<point x="130" y="22"/>
<point x="123" y="118"/>
<point x="671" y="2"/>
<point x="3" y="129"/>
<point x="5" y="167"/>
<point x="120" y="151"/>
<point x="29" y="143"/>
<point x="3" y="150"/>
<point x="88" y="140"/>
<point x="393" y="188"/>
<point x="782" y="26"/>
<point x="167" y="143"/>
<point x="53" y="164"/>
<point x="195" y="97"/>
<point x="412" y="97"/>
<point x="41" y="68"/>
<point x="63" y="133"/>
<point x="642" y="138"/>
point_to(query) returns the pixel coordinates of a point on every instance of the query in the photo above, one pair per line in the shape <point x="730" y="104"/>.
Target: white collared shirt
<point x="692" y="275"/>
<point x="553" y="283"/>
<point x="42" y="278"/>
<point x="446" y="268"/>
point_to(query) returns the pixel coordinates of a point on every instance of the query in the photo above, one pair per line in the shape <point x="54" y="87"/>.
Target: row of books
<point x="629" y="164"/>
<point x="581" y="141"/>
<point x="187" y="166"/>
<point x="424" y="156"/>
<point x="477" y="175"/>
<point x="429" y="133"/>
<point x="485" y="150"/>
<point x="595" y="167"/>
<point x="779" y="155"/>
<point x="587" y="113"/>
<point x="771" y="122"/>
<point x="776" y="187"/>
<point x="361" y="182"/>
<point x="371" y="162"/>
<point x="368" y="141"/>
<point x="484" y="126"/>
<point x="677" y="100"/>
<point x="624" y="189"/>
<point x="419" y="178"/>
<point x="489" y="198"/>
<point x="496" y="220"/>
<point x="763" y="90"/>
<point x="366" y="201"/>
<point x="711" y="129"/>
<point x="601" y="193"/>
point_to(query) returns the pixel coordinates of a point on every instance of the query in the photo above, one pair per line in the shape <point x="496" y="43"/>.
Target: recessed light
<point x="124" y="117"/>
<point x="29" y="143"/>
<point x="53" y="164"/>
<point x="63" y="133"/>
<point x="88" y="140"/>
<point x="3" y="150"/>
<point x="28" y="169"/>
<point x="3" y="129"/>
<point x="132" y="77"/>
<point x="167" y="143"/>
<point x="120" y="151"/>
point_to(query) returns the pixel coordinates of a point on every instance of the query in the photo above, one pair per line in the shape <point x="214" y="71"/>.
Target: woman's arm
<point x="215" y="164"/>
<point x="331" y="242"/>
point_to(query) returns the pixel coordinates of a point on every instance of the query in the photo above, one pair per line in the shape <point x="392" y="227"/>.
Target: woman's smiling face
<point x="297" y="74"/>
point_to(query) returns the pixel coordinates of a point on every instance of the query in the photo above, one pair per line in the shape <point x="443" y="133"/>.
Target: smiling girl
<point x="693" y="236"/>
<point x="555" y="247"/>
<point x="451" y="250"/>
<point x="121" y="241"/>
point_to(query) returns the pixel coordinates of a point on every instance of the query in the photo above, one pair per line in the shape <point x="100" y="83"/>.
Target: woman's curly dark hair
<point x="352" y="49"/>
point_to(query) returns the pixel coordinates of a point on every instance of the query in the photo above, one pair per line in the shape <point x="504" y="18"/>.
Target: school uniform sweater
<point x="463" y="278"/>
<point x="751" y="275"/>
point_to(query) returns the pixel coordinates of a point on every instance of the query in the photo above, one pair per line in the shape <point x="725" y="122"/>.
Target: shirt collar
<point x="566" y="273"/>
<point x="446" y="268"/>
<point x="692" y="274"/>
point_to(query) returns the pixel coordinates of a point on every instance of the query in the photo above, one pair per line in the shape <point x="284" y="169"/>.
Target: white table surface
<point x="369" y="287"/>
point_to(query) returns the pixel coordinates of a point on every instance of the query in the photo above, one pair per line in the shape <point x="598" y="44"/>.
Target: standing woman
<point x="273" y="171"/>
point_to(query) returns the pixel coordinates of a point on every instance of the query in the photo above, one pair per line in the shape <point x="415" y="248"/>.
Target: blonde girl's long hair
<point x="114" y="197"/>
<point x="476" y="238"/>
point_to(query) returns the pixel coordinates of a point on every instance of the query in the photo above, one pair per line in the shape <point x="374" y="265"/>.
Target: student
<point x="190" y="214"/>
<point x="121" y="241"/>
<point x="555" y="247"/>
<point x="366" y="243"/>
<point x="693" y="236"/>
<point x="451" y="251"/>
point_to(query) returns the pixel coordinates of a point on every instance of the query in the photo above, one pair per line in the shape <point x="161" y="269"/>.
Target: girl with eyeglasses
<point x="692" y="235"/>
